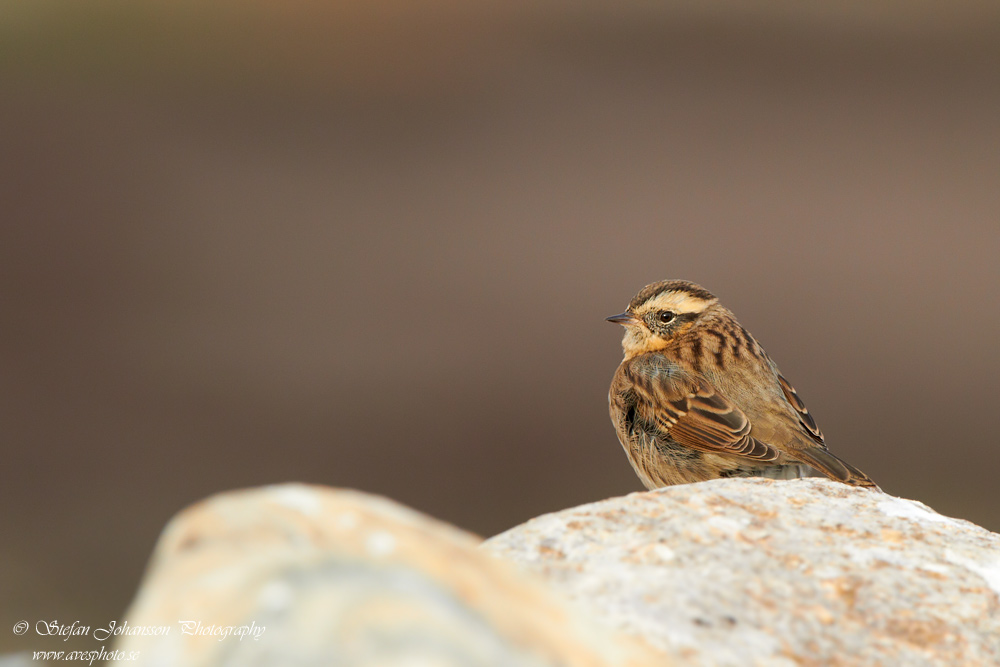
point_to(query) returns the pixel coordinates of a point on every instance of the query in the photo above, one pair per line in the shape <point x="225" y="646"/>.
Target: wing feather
<point x="806" y="419"/>
<point x="688" y="410"/>
<point x="691" y="412"/>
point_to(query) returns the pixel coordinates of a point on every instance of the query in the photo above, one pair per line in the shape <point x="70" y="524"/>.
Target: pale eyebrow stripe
<point x="679" y="302"/>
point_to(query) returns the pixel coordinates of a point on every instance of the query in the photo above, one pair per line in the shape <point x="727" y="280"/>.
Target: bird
<point x="697" y="398"/>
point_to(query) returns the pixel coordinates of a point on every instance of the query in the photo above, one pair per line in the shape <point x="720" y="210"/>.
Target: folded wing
<point x="691" y="412"/>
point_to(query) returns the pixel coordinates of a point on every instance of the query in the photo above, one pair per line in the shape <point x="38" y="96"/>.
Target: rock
<point x="762" y="572"/>
<point x="296" y="575"/>
<point x="16" y="660"/>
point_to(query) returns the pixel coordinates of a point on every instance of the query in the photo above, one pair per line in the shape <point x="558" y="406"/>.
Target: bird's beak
<point x="625" y="319"/>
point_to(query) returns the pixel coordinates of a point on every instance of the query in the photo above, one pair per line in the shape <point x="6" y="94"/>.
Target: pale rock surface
<point x="16" y="660"/>
<point x="345" y="579"/>
<point x="763" y="572"/>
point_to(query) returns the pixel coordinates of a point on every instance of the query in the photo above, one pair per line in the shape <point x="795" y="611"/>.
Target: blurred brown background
<point x="372" y="245"/>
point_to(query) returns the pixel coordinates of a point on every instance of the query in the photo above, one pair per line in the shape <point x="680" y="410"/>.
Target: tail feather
<point x="834" y="467"/>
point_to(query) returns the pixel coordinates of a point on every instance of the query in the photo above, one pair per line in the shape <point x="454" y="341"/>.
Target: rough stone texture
<point x="761" y="572"/>
<point x="347" y="579"/>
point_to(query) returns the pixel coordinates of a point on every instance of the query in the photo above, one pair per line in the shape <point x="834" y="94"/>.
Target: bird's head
<point x="660" y="312"/>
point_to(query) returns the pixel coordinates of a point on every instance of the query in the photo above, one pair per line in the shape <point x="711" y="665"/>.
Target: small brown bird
<point x="697" y="398"/>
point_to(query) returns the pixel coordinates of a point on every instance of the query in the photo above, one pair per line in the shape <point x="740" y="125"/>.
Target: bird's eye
<point x="664" y="316"/>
